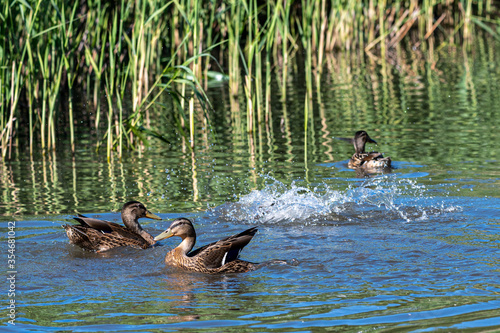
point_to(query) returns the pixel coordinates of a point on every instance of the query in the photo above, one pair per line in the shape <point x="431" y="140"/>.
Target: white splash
<point x="385" y="197"/>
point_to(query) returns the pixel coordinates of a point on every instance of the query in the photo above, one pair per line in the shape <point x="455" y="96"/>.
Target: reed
<point x="123" y="56"/>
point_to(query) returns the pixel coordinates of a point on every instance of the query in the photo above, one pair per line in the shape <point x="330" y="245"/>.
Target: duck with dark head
<point x="218" y="257"/>
<point x="99" y="235"/>
<point x="361" y="159"/>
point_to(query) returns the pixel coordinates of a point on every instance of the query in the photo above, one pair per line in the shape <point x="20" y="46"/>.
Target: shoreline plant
<point x="124" y="58"/>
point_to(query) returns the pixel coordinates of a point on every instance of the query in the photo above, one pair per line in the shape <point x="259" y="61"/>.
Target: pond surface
<point x="416" y="249"/>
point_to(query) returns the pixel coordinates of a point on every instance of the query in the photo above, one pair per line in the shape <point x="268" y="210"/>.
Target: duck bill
<point x="371" y="140"/>
<point x="164" y="235"/>
<point x="152" y="216"/>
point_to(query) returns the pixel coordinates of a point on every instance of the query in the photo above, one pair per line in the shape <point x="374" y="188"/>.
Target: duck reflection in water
<point x="185" y="290"/>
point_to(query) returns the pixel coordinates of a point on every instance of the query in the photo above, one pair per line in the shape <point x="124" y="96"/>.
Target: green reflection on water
<point x="441" y="114"/>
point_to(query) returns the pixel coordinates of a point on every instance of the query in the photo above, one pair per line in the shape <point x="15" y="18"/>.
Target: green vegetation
<point x="122" y="58"/>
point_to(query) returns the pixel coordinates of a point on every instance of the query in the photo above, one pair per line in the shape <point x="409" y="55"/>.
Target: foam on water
<point x="386" y="197"/>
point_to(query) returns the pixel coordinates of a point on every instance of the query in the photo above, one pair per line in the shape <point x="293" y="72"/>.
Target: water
<point x="385" y="253"/>
<point x="416" y="249"/>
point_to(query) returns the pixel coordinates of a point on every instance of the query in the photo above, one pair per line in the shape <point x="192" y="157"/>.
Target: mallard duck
<point x="99" y="235"/>
<point x="362" y="159"/>
<point x="217" y="257"/>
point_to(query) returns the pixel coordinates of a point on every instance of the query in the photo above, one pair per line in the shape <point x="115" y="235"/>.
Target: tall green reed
<point x="125" y="55"/>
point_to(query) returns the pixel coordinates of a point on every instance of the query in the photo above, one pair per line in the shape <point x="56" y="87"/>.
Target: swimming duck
<point x="362" y="159"/>
<point x="217" y="257"/>
<point x="99" y="235"/>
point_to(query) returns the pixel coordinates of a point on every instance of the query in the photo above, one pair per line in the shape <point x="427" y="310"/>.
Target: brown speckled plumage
<point x="362" y="159"/>
<point x="99" y="235"/>
<point x="217" y="257"/>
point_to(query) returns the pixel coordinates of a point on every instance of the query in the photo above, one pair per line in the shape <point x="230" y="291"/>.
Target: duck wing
<point x="107" y="228"/>
<point x="219" y="253"/>
<point x="97" y="224"/>
<point x="372" y="156"/>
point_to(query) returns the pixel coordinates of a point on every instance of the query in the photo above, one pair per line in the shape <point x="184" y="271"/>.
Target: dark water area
<point x="416" y="249"/>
